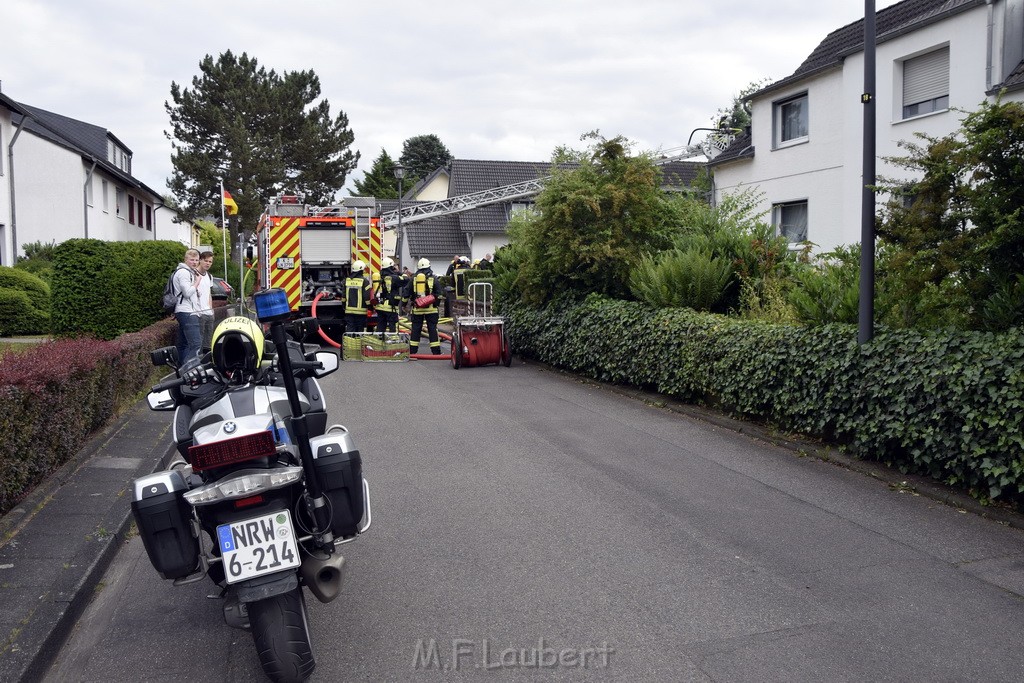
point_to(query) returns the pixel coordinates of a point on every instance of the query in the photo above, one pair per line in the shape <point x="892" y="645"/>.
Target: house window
<point x="119" y="201"/>
<point x="131" y="209"/>
<point x="149" y="218"/>
<point x="790" y="220"/>
<point x="104" y="194"/>
<point x="791" y="121"/>
<point x="926" y="83"/>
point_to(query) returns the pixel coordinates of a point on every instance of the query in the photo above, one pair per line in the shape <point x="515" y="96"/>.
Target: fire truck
<point x="308" y="250"/>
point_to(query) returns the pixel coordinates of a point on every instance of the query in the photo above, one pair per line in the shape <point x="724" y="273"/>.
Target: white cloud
<point x="492" y="80"/>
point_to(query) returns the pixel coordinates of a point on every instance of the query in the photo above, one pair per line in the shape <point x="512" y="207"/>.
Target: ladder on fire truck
<point x="712" y="145"/>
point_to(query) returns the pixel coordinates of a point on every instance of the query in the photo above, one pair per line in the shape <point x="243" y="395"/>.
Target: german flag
<point x="229" y="204"/>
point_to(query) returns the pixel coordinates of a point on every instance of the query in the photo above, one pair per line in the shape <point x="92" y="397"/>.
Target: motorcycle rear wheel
<point x="280" y="631"/>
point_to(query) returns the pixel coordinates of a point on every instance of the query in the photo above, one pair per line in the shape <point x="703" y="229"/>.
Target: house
<point x="803" y="150"/>
<point x="482" y="230"/>
<point x="65" y="178"/>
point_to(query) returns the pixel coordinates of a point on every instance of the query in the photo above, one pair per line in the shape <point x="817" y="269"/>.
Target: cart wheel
<point x="506" y="349"/>
<point x="456" y="350"/>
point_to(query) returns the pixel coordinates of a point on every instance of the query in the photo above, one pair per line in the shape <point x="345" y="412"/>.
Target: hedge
<point x="52" y="396"/>
<point x="947" y="404"/>
<point x="24" y="303"/>
<point x="105" y="289"/>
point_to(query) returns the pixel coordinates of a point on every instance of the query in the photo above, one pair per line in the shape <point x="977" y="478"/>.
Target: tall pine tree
<point x="260" y="133"/>
<point x="380" y="181"/>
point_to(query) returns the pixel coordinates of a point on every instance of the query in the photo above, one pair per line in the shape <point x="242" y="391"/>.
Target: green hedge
<point x="946" y="404"/>
<point x="54" y="394"/>
<point x="105" y="289"/>
<point x="24" y="303"/>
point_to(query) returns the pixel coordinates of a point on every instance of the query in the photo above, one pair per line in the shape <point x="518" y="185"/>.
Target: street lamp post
<point x="399" y="173"/>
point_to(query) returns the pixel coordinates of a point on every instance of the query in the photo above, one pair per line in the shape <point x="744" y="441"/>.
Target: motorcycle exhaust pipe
<point x="323" y="578"/>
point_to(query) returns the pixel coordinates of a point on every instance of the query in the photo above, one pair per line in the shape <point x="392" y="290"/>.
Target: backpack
<point x="170" y="299"/>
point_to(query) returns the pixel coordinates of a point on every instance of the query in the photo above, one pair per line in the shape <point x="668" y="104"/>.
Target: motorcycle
<point x="276" y="490"/>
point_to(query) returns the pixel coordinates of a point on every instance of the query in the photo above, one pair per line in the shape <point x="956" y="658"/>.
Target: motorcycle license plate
<point x="258" y="546"/>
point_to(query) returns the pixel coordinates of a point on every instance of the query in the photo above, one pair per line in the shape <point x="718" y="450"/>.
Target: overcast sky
<point x="494" y="80"/>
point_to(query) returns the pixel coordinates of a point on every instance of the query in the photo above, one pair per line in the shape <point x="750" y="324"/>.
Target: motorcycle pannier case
<point x="341" y="475"/>
<point x="163" y="517"/>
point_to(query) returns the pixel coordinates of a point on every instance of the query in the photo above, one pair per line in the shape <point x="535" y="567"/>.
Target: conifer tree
<point x="260" y="132"/>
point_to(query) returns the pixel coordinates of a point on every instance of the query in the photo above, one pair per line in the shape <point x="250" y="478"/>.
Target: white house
<point x="64" y="178"/>
<point x="803" y="151"/>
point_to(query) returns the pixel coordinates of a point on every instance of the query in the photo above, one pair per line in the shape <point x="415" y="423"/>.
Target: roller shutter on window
<point x="326" y="246"/>
<point x="926" y="77"/>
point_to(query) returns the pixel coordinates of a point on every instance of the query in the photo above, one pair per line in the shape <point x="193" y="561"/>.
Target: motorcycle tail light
<point x="231" y="451"/>
<point x="246" y="502"/>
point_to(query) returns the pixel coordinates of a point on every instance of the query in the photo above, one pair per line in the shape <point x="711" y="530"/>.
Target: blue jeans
<point x="189" y="337"/>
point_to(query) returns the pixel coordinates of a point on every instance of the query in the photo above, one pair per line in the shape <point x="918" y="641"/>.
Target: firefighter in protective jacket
<point x="424" y="295"/>
<point x="388" y="296"/>
<point x="357" y="297"/>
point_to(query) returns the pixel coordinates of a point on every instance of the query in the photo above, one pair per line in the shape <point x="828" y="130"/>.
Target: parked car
<point x="221" y="290"/>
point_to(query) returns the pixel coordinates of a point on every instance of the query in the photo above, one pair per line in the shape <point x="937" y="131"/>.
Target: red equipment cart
<point x="480" y="338"/>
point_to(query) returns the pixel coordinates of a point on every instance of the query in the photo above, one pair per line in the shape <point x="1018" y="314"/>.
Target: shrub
<point x="692" y="278"/>
<point x="24" y="303"/>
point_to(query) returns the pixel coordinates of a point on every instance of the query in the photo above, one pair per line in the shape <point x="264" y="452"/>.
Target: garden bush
<point x="52" y="396"/>
<point x="24" y="303"/>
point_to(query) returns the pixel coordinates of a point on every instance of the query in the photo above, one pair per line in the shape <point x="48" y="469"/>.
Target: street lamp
<point x="399" y="173"/>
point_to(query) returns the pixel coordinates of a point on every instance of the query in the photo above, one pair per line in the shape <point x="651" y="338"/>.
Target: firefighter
<point x="388" y="296"/>
<point x="425" y="290"/>
<point x="357" y="296"/>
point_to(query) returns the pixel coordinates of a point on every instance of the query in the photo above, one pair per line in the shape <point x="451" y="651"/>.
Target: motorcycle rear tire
<point x="280" y="630"/>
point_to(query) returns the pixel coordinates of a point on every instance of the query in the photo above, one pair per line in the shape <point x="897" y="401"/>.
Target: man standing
<point x="357" y="296"/>
<point x="186" y="311"/>
<point x="425" y="292"/>
<point x="205" y="301"/>
<point x="389" y="296"/>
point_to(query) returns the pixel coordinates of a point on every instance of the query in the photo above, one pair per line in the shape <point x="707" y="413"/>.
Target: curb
<point x="58" y="609"/>
<point x="804" y="446"/>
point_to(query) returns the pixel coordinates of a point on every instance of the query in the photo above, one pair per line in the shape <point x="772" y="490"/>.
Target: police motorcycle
<point x="261" y="475"/>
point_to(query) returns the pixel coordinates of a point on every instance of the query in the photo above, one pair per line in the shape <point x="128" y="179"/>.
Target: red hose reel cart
<point x="480" y="338"/>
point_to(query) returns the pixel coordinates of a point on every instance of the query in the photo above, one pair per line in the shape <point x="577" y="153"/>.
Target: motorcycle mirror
<point x="161" y="400"/>
<point x="168" y="355"/>
<point x="329" y="359"/>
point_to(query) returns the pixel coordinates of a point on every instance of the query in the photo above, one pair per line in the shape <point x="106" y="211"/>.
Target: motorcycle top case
<point x="163" y="517"/>
<point x="341" y="474"/>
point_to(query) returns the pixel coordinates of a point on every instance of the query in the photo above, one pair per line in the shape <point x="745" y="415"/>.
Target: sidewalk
<point x="57" y="544"/>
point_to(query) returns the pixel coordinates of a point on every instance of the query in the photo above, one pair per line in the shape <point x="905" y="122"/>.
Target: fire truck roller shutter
<point x="325" y="245"/>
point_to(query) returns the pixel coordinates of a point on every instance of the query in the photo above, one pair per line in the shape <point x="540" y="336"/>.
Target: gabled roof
<point x="85" y="139"/>
<point x="8" y="103"/>
<point x="891" y="22"/>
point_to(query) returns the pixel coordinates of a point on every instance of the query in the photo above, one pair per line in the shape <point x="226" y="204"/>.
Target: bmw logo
<point x="230" y="427"/>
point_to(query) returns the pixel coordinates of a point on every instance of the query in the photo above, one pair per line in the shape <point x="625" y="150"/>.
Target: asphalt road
<point x="530" y="526"/>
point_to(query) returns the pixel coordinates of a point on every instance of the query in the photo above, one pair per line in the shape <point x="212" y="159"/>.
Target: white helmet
<point x="387" y="262"/>
<point x="358" y="266"/>
<point x="423" y="263"/>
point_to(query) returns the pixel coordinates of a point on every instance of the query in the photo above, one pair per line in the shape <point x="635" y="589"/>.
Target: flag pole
<point x="224" y="226"/>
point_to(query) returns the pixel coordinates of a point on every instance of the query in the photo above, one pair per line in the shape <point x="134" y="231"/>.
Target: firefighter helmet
<point x="237" y="347"/>
<point x="387" y="262"/>
<point x="423" y="263"/>
<point x="358" y="266"/>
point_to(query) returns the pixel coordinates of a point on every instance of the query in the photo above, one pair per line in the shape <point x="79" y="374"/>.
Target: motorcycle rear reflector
<point x="231" y="451"/>
<point x="272" y="304"/>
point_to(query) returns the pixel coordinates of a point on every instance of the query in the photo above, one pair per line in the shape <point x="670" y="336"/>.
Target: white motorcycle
<point x="274" y="489"/>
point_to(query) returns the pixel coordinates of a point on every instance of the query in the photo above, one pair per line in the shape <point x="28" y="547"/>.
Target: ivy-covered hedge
<point x="53" y="395"/>
<point x="105" y="289"/>
<point x="946" y="404"/>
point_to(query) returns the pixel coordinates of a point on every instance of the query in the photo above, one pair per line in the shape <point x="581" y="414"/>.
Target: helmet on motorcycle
<point x="423" y="263"/>
<point x="358" y="267"/>
<point x="387" y="262"/>
<point x="237" y="348"/>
